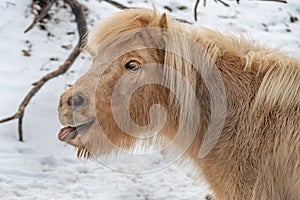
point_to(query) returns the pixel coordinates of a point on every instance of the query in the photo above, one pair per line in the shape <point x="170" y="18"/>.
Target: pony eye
<point x="133" y="65"/>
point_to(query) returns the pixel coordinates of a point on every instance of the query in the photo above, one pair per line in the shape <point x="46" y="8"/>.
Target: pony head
<point x="120" y="97"/>
<point x="146" y="86"/>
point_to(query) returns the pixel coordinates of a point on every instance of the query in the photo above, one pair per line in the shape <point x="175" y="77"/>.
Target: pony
<point x="229" y="104"/>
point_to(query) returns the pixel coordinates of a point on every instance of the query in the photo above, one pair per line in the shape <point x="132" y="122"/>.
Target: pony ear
<point x="155" y="37"/>
<point x="163" y="22"/>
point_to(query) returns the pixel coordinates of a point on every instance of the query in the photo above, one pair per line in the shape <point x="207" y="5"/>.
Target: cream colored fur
<point x="257" y="156"/>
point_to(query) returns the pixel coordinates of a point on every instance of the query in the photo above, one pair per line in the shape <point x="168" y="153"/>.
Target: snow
<point x="44" y="168"/>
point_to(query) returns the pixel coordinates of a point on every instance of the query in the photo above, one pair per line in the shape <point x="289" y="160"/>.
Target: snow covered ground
<point x="44" y="168"/>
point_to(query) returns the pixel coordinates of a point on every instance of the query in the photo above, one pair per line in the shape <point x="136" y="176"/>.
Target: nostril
<point x="76" y="101"/>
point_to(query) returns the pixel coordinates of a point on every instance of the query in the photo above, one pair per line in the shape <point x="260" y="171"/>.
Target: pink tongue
<point x="64" y="132"/>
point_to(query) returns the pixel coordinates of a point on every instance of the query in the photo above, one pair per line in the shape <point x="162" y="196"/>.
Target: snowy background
<point x="44" y="168"/>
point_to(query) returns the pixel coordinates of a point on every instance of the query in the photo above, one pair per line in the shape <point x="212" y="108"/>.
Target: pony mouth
<point x="70" y="132"/>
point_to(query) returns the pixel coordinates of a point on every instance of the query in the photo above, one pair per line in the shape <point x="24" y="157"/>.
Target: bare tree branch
<point x="82" y="30"/>
<point x="41" y="15"/>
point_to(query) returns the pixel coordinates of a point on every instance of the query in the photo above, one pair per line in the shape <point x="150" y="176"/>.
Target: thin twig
<point x="43" y="13"/>
<point x="195" y="9"/>
<point x="183" y="21"/>
<point x="82" y="30"/>
<point x="116" y="4"/>
<point x="227" y="5"/>
<point x="279" y="1"/>
<point x="222" y="2"/>
<point x="196" y="6"/>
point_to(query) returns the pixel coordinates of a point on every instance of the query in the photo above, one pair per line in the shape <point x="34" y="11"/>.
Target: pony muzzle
<point x="70" y="132"/>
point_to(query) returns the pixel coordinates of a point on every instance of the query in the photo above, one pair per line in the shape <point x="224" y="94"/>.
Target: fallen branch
<point x="43" y="13"/>
<point x="82" y="30"/>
